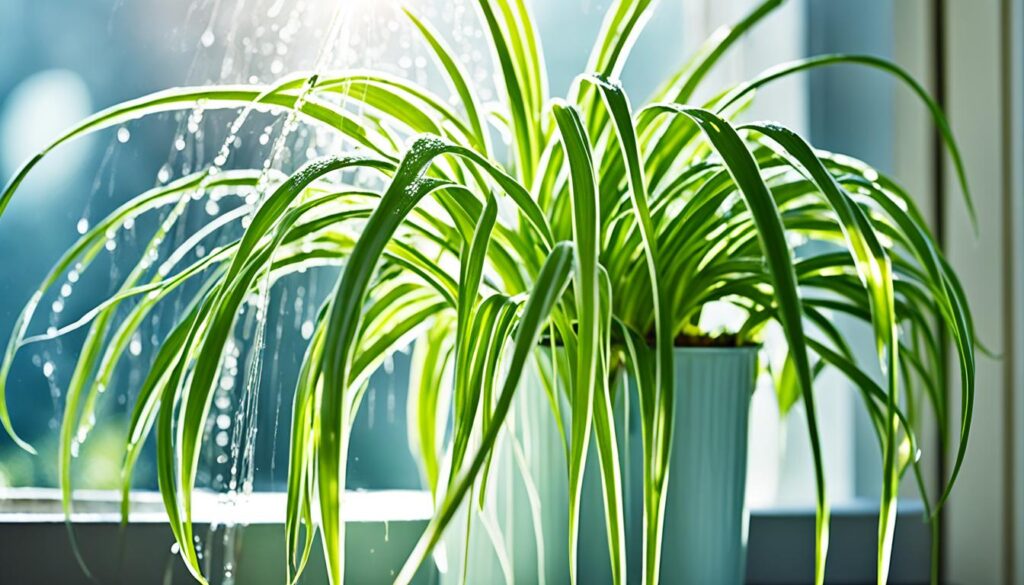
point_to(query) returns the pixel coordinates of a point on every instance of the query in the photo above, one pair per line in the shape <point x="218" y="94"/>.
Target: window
<point x="105" y="53"/>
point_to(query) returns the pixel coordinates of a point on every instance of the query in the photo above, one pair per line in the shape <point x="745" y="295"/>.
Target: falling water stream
<point x="256" y="42"/>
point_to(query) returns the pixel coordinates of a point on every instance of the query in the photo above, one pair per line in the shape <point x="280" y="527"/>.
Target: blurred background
<point x="61" y="60"/>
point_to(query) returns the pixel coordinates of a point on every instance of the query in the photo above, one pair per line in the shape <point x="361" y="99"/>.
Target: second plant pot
<point x="520" y="534"/>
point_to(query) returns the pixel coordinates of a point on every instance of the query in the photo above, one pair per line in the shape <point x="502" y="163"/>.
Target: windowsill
<point x="781" y="545"/>
<point x="382" y="529"/>
<point x="43" y="505"/>
<point x="383" y="526"/>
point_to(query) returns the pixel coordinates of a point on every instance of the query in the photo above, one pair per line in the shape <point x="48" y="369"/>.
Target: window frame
<point x="983" y="520"/>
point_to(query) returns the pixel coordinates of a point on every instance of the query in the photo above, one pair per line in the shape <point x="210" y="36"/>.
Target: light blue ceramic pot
<point x="705" y="526"/>
<point x="706" y="519"/>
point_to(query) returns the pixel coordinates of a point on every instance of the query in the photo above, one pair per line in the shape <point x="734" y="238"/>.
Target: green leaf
<point x="662" y="417"/>
<point x="875" y="271"/>
<point x="586" y="226"/>
<point x="457" y="78"/>
<point x="466" y="393"/>
<point x="786" y="69"/>
<point x="771" y="233"/>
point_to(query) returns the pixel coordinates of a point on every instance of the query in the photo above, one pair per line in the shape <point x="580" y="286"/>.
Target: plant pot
<point x="705" y="528"/>
<point x="706" y="520"/>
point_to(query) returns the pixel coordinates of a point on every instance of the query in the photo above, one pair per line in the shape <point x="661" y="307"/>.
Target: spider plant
<point x="606" y="229"/>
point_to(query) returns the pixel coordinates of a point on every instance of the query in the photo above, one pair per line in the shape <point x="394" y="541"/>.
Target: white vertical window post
<point x="982" y="72"/>
<point x="1013" y="46"/>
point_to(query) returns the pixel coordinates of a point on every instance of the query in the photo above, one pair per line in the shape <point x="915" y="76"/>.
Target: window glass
<point x="78" y="56"/>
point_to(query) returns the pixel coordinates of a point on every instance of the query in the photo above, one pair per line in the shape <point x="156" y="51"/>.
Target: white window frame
<point x="1014" y="43"/>
<point x="984" y="69"/>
